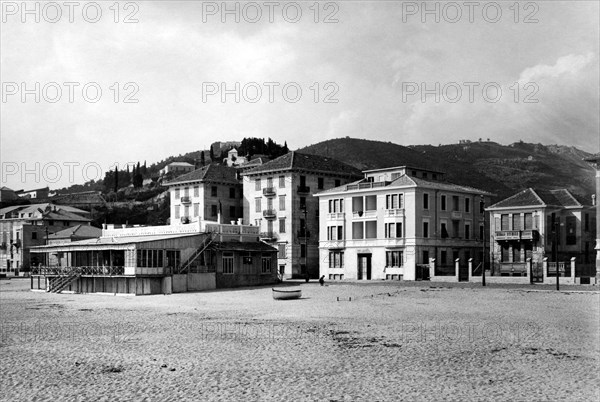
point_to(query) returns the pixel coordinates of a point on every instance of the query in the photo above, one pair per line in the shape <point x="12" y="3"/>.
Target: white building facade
<point x="395" y="220"/>
<point x="278" y="198"/>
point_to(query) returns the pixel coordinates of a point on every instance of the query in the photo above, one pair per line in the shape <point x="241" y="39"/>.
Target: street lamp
<point x="483" y="241"/>
<point x="556" y="227"/>
<point x="305" y="212"/>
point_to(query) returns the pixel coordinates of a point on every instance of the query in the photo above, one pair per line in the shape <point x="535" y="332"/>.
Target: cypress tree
<point x="116" y="178"/>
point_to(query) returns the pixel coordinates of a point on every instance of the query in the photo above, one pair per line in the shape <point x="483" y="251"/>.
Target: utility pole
<point x="483" y="241"/>
<point x="305" y="211"/>
<point x="556" y="227"/>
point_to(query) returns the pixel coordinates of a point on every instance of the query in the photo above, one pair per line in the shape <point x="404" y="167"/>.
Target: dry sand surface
<point x="392" y="342"/>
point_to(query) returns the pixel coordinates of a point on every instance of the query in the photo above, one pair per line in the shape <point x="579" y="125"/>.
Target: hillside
<point x="501" y="169"/>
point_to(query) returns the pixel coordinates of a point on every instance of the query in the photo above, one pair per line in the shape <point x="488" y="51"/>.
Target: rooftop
<point x="209" y="173"/>
<point x="405" y="181"/>
<point x="48" y="210"/>
<point x="305" y="162"/>
<point x="539" y="198"/>
<point x="403" y="167"/>
<point x="81" y="231"/>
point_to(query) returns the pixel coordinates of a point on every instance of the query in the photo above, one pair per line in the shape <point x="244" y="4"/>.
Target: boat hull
<point x="286" y="294"/>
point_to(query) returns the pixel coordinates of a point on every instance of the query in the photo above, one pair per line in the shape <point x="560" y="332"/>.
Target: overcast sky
<point x="370" y="68"/>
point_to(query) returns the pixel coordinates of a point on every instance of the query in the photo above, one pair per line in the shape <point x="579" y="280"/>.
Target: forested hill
<point x="500" y="169"/>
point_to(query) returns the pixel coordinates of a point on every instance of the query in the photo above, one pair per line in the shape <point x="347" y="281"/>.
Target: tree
<point x="127" y="179"/>
<point x="212" y="155"/>
<point x="202" y="161"/>
<point x="116" y="178"/>
<point x="138" y="179"/>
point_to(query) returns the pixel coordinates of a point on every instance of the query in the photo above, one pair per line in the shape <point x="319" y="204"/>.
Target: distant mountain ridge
<point x="500" y="169"/>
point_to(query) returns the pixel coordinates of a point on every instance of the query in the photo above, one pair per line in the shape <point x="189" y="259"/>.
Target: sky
<point x="149" y="79"/>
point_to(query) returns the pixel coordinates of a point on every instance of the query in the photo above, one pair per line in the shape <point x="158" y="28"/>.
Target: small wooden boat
<point x="281" y="294"/>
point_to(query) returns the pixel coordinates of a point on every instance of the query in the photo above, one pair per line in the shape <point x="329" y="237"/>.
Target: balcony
<point x="367" y="185"/>
<point x="456" y="215"/>
<point x="270" y="214"/>
<point x="186" y="200"/>
<point x="505" y="235"/>
<point x="530" y="235"/>
<point x="517" y="235"/>
<point x="268" y="236"/>
<point x="269" y="192"/>
<point x="396" y="212"/>
<point x="336" y="216"/>
<point x="332" y="244"/>
<point x="364" y="214"/>
<point x="185" y="219"/>
<point x="303" y="189"/>
<point x="81" y="270"/>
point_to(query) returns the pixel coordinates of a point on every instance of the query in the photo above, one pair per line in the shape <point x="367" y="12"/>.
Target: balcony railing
<point x="269" y="191"/>
<point x="85" y="270"/>
<point x="231" y="229"/>
<point x="333" y="244"/>
<point x="267" y="236"/>
<point x="530" y="235"/>
<point x="394" y="212"/>
<point x="508" y="235"/>
<point x="336" y="216"/>
<point x="517" y="235"/>
<point x="186" y="200"/>
<point x="270" y="213"/>
<point x="303" y="189"/>
<point x="364" y="214"/>
<point x="367" y="185"/>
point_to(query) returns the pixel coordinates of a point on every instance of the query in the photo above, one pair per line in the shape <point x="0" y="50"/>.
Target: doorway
<point x="364" y="267"/>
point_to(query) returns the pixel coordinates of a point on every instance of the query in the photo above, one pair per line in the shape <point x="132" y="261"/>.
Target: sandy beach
<point x="340" y="342"/>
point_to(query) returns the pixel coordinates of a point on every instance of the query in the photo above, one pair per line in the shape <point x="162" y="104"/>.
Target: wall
<point x="194" y="282"/>
<point x="246" y="275"/>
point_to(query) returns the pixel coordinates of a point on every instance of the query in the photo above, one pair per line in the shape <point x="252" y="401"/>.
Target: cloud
<point x="570" y="64"/>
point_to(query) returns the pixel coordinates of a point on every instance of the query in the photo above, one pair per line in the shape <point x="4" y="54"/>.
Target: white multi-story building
<point x="211" y="193"/>
<point x="278" y="197"/>
<point x="391" y="221"/>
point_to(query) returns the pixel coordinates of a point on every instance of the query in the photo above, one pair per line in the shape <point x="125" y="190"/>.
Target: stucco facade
<point x="210" y="193"/>
<point x="26" y="226"/>
<point x="278" y="198"/>
<point x="523" y="227"/>
<point x="393" y="220"/>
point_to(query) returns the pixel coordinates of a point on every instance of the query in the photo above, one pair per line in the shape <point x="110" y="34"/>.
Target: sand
<point x="392" y="341"/>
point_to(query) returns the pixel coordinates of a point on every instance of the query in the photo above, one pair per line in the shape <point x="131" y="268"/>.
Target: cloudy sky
<point x="368" y="69"/>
